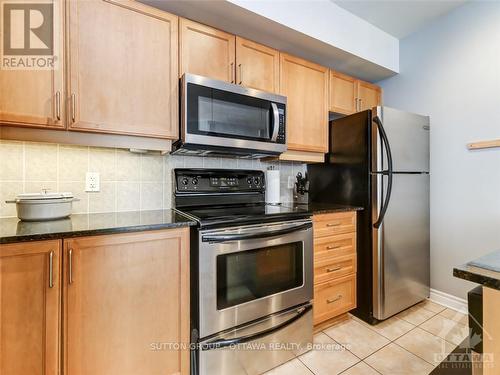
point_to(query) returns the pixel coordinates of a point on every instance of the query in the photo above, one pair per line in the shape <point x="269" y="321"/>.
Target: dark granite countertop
<point x="323" y="208"/>
<point x="484" y="275"/>
<point x="14" y="230"/>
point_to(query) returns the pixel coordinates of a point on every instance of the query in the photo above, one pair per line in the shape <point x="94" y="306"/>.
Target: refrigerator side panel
<point x="408" y="136"/>
<point x="403" y="251"/>
<point x="346" y="180"/>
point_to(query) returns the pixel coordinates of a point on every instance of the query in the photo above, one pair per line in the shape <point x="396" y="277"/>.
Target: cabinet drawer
<point x="334" y="298"/>
<point x="331" y="268"/>
<point x="332" y="224"/>
<point x="334" y="246"/>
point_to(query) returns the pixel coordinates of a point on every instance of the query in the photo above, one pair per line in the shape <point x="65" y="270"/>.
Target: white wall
<point x="329" y="23"/>
<point x="451" y="71"/>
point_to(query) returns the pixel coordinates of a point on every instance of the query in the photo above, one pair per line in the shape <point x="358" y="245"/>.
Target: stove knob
<point x="249" y="180"/>
<point x="256" y="180"/>
<point x="184" y="181"/>
<point x="194" y="181"/>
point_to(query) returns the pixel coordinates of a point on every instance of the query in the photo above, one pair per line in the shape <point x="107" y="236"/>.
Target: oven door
<point x="250" y="272"/>
<point x="221" y="114"/>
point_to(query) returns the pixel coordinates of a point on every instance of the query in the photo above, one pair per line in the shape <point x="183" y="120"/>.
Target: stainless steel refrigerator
<point x="379" y="159"/>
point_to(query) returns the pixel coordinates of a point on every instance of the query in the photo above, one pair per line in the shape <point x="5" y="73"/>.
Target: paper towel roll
<point x="273" y="186"/>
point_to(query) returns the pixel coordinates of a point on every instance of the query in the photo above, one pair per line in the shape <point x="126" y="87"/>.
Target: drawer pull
<point x="333" y="247"/>
<point x="334" y="269"/>
<point x="333" y="224"/>
<point x="332" y="300"/>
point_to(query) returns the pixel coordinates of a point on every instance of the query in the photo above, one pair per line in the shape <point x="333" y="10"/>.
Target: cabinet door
<point x="257" y="66"/>
<point x="124" y="294"/>
<point x="305" y="85"/>
<point x="342" y="93"/>
<point x="34" y="98"/>
<point x="368" y="95"/>
<point x="30" y="291"/>
<point x="123" y="68"/>
<point x="206" y="51"/>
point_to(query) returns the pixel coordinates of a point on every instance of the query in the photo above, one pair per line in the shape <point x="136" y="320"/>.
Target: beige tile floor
<point x="411" y="343"/>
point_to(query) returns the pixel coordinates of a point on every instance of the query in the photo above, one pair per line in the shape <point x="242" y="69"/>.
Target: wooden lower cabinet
<point x="334" y="298"/>
<point x="124" y="294"/>
<point x="30" y="297"/>
<point x="335" y="264"/>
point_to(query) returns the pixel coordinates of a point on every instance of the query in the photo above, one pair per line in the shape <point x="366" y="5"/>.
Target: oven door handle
<point x="222" y="343"/>
<point x="251" y="236"/>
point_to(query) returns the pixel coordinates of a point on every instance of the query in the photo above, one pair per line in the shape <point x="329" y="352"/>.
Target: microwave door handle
<point x="222" y="343"/>
<point x="251" y="236"/>
<point x="276" y="122"/>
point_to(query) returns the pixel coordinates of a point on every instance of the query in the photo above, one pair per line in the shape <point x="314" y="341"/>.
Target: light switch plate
<point x="291" y="182"/>
<point x="92" y="181"/>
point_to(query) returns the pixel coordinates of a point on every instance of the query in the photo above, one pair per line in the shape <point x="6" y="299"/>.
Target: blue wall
<point x="450" y="70"/>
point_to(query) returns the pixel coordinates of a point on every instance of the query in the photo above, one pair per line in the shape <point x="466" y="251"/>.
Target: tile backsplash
<point x="128" y="181"/>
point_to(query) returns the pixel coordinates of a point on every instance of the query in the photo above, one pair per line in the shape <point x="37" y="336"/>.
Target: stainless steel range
<point x="252" y="273"/>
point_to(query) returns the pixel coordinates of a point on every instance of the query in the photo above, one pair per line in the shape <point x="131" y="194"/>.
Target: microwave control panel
<point x="281" y="130"/>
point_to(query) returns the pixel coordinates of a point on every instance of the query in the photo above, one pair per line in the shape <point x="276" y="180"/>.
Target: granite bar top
<point x="14" y="230"/>
<point x="317" y="208"/>
<point x="481" y="271"/>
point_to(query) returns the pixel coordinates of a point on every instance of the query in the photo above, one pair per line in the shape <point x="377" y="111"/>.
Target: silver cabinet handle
<point x="58" y="105"/>
<point x="332" y="300"/>
<point x="333" y="269"/>
<point x="73" y="107"/>
<point x="51" y="269"/>
<point x="241" y="74"/>
<point x="232" y="72"/>
<point x="70" y="266"/>
<point x="333" y="224"/>
<point x="333" y="247"/>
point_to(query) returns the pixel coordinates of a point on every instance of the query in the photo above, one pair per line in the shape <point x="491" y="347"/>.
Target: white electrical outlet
<point x="92" y="181"/>
<point x="291" y="182"/>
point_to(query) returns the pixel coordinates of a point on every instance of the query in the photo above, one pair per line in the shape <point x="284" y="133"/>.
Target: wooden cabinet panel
<point x="306" y="86"/>
<point x="334" y="298"/>
<point x="369" y="95"/>
<point x="342" y="93"/>
<point x="332" y="224"/>
<point x="206" y="51"/>
<point x="334" y="246"/>
<point x="123" y="68"/>
<point x="30" y="308"/>
<point x="35" y="98"/>
<point x="122" y="294"/>
<point x="257" y="66"/>
<point x="334" y="266"/>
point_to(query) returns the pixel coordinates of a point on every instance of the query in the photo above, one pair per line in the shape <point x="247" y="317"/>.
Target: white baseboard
<point x="449" y="300"/>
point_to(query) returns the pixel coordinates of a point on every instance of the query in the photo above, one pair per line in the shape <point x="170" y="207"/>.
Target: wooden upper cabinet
<point x="369" y="95"/>
<point x="123" y="294"/>
<point x="342" y="93"/>
<point x="305" y="85"/>
<point x="257" y="66"/>
<point x="35" y="98"/>
<point x="123" y="68"/>
<point x="30" y="291"/>
<point x="206" y="51"/>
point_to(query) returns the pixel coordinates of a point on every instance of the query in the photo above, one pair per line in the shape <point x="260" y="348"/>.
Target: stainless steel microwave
<point x="220" y="118"/>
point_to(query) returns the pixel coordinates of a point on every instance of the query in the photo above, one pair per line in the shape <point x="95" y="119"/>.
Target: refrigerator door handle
<point x="389" y="171"/>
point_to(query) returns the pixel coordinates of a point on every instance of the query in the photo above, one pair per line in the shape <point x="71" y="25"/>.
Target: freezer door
<point x="408" y="136"/>
<point x="401" y="246"/>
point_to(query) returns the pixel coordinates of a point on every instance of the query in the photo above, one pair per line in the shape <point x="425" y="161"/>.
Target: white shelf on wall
<point x="484" y="144"/>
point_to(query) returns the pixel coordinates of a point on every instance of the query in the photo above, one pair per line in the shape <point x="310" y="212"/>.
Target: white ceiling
<point x="399" y="18"/>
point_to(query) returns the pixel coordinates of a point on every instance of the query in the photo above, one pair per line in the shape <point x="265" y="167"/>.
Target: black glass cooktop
<point x="242" y="214"/>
